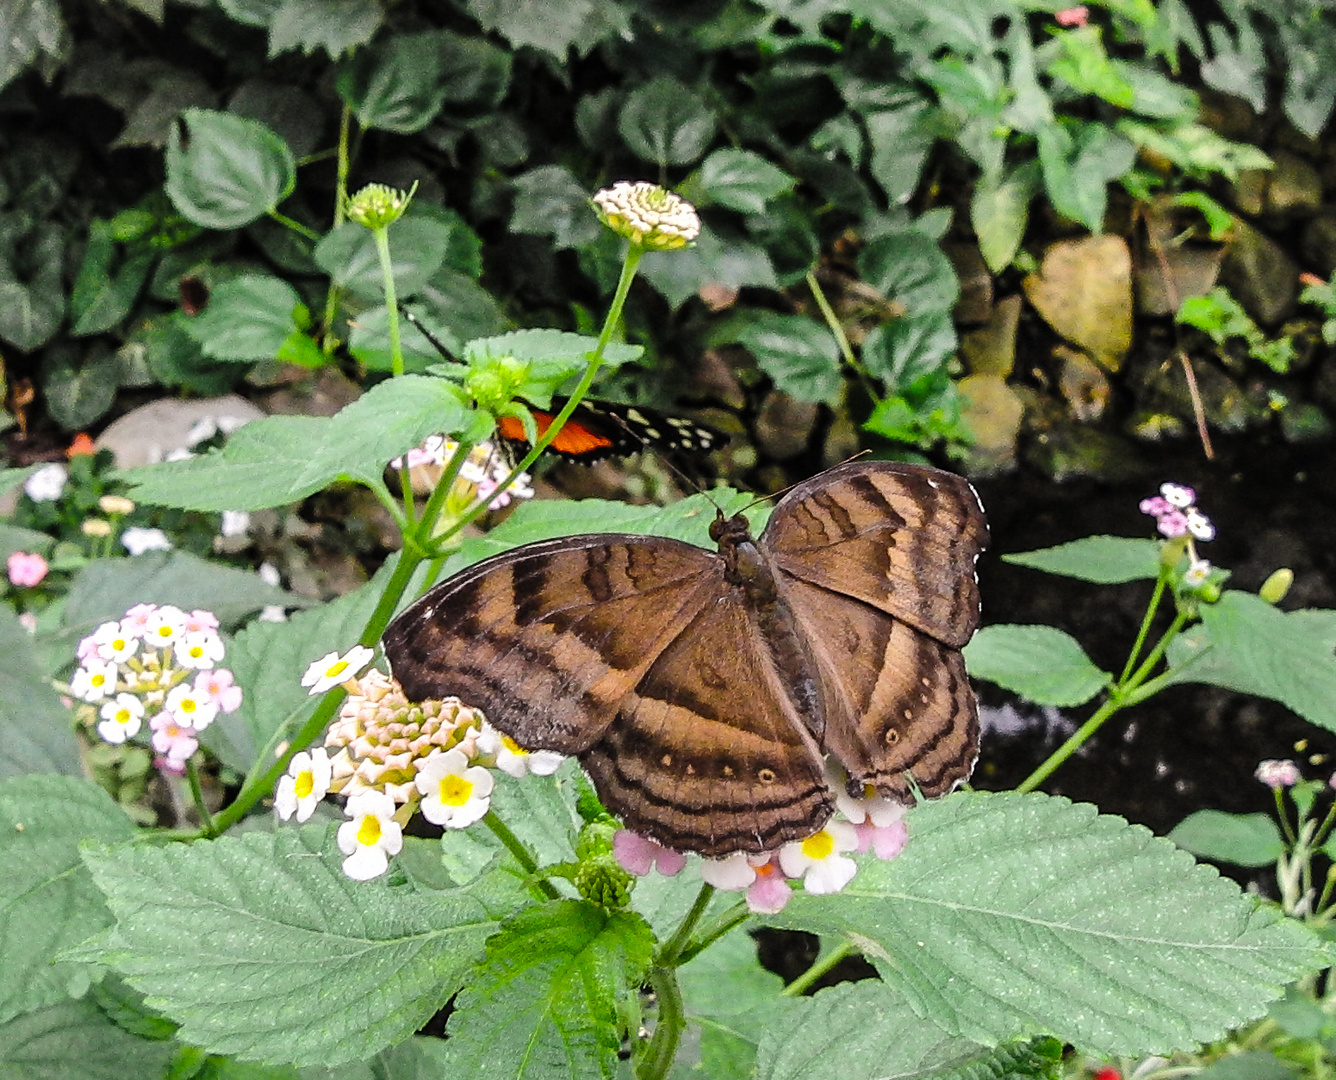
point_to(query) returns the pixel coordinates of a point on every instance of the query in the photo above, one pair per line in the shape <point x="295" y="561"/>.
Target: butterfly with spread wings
<point x="702" y="691"/>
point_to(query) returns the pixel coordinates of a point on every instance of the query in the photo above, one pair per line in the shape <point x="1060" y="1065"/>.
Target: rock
<point x="1084" y="291"/>
<point x="1295" y="188"/>
<point x="1082" y="384"/>
<point x="146" y="435"/>
<point x="1169" y="267"/>
<point x="1068" y="450"/>
<point x="784" y="425"/>
<point x="975" y="304"/>
<point x="993" y="412"/>
<point x="323" y="395"/>
<point x="1304" y="422"/>
<point x="991" y="349"/>
<point x="1248" y="193"/>
<point x="1260" y="275"/>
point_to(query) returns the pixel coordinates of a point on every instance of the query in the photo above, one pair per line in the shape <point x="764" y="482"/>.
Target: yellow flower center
<point x="164" y="632"/>
<point x="511" y="745"/>
<point x="819" y="846"/>
<point x="196" y="651"/>
<point x="118" y="644"/>
<point x="98" y="679"/>
<point x="122" y="716"/>
<point x="336" y="668"/>
<point x="368" y="833"/>
<point x="304" y="784"/>
<point x="455" y="790"/>
<point x="187" y="705"/>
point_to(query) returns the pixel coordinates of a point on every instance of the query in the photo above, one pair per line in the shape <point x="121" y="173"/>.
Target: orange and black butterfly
<point x="599" y="429"/>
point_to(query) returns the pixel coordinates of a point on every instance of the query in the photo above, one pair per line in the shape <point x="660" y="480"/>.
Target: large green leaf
<point x="665" y="122"/>
<point x="1105" y="560"/>
<point x="1245" y="644"/>
<point x="224" y="171"/>
<point x="550" y="201"/>
<point x="35" y="727"/>
<point x="75" y="1040"/>
<point x="336" y="26"/>
<point x="259" y="946"/>
<point x="282" y="459"/>
<point x="47" y="899"/>
<point x="548" y="993"/>
<point x="248" y="319"/>
<point x="399" y="85"/>
<point x="1244" y="839"/>
<point x="1013" y="915"/>
<point x="418" y="245"/>
<point x="1041" y="663"/>
<point x="799" y="354"/>
<point x="551" y="25"/>
<point x="738" y="179"/>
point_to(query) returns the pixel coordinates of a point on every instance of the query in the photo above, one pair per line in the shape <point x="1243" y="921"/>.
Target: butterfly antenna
<point x="436" y="343"/>
<point x="790" y="487"/>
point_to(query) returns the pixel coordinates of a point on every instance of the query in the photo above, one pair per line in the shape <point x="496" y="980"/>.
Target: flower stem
<point x="662" y="1049"/>
<point x="197" y="795"/>
<point x="737" y="914"/>
<point x="515" y="846"/>
<point x="819" y="967"/>
<point x="671" y="954"/>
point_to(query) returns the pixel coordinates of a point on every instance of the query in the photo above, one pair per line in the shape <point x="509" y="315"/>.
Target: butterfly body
<point x="702" y="691"/>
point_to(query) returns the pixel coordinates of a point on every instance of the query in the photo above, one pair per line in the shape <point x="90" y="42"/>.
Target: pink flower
<point x="166" y="764"/>
<point x="1172" y="524"/>
<point x="172" y="739"/>
<point x="199" y="622"/>
<point x="768" y="894"/>
<point x="759" y="876"/>
<point x="885" y="841"/>
<point x="26" y="569"/>
<point x="136" y="619"/>
<point x="1073" y="16"/>
<point x="638" y="854"/>
<point x="217" y="683"/>
<point x="1277" y="774"/>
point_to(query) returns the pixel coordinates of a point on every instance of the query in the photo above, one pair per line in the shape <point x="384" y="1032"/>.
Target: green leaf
<point x="417" y="251"/>
<point x="1245" y="644"/>
<point x="259" y="946"/>
<point x="739" y="180"/>
<point x="551" y="25"/>
<point x="799" y="354"/>
<point x="76" y="1040"/>
<point x="1105" y="560"/>
<point x="999" y="212"/>
<point x="666" y="123"/>
<point x="248" y="318"/>
<point x="1010" y="914"/>
<point x="910" y="354"/>
<point x="901" y="139"/>
<point x="714" y="260"/>
<point x="224" y="171"/>
<point x="910" y="268"/>
<point x="1077" y="169"/>
<point x="105" y="291"/>
<point x="1041" y="663"/>
<point x="399" y="85"/>
<point x="540" y="811"/>
<point x="31" y="27"/>
<point x="47" y="899"/>
<point x="1083" y="64"/>
<point x="541" y="347"/>
<point x="77" y="396"/>
<point x="1250" y="1065"/>
<point x="549" y="201"/>
<point x="337" y="26"/>
<point x="106" y="588"/>
<point x="282" y="459"/>
<point x="548" y="992"/>
<point x="852" y="1032"/>
<point x="35" y="727"/>
<point x="1194" y="148"/>
<point x="1243" y="839"/>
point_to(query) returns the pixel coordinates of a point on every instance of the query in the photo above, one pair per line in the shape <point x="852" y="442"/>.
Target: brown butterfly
<point x="703" y="691"/>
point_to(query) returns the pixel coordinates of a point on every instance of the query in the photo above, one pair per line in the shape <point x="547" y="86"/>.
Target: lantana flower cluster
<point x="156" y="665"/>
<point x="1177" y="517"/>
<point x="648" y="215"/>
<point x="392" y="757"/>
<point x="822" y="861"/>
<point x="479" y="477"/>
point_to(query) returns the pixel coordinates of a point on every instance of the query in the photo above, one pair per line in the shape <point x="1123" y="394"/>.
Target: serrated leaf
<point x="76" y="1041"/>
<point x="47" y="900"/>
<point x="260" y="947"/>
<point x="398" y="85"/>
<point x="852" y="1032"/>
<point x="282" y="459"/>
<point x="551" y="25"/>
<point x="549" y="201"/>
<point x="417" y="251"/>
<point x="735" y="261"/>
<point x="1040" y="663"/>
<point x="336" y="26"/>
<point x="1105" y="560"/>
<point x="1010" y="915"/>
<point x="542" y="345"/>
<point x="547" y="994"/>
<point x="665" y="122"/>
<point x="224" y="171"/>
<point x="76" y="396"/>
<point x="1245" y="644"/>
<point x="799" y="354"/>
<point x="740" y="180"/>
<point x="1243" y="839"/>
<point x="540" y="810"/>
<point x="910" y="268"/>
<point x="106" y="588"/>
<point x="35" y="727"/>
<point x="247" y="319"/>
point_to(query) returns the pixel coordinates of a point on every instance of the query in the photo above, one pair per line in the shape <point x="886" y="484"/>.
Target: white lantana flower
<point x="199" y="650"/>
<point x="94" y="681"/>
<point x="115" y="642"/>
<point x="306" y="783"/>
<point x="820" y="860"/>
<point x="121" y="718"/>
<point x="164" y="626"/>
<point x="138" y="540"/>
<point x="875" y="808"/>
<point x="454" y="793"/>
<point x="47" y="484"/>
<point x="332" y="669"/>
<point x="371" y="837"/>
<point x="513" y="759"/>
<point x="191" y="707"/>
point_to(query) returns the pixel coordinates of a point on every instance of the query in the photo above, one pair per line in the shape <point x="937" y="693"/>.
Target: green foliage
<point x="1105" y="560"/>
<point x="1041" y="663"/>
<point x="1221" y="317"/>
<point x="1242" y="839"/>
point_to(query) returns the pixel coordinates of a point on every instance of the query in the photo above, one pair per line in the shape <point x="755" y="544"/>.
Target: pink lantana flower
<point x="820" y="860"/>
<point x="638" y="854"/>
<point x="26" y="569"/>
<point x="174" y="740"/>
<point x="218" y="684"/>
<point x="1277" y="774"/>
<point x="759" y="876"/>
<point x="135" y="621"/>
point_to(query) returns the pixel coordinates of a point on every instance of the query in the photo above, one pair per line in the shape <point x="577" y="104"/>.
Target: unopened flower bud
<point x="377" y="205"/>
<point x="1275" y="587"/>
<point x="650" y="216"/>
<point x="116" y="505"/>
<point x="96" y="528"/>
<point x="601" y="881"/>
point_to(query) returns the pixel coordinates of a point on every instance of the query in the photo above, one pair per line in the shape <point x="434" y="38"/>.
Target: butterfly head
<point x="729" y="530"/>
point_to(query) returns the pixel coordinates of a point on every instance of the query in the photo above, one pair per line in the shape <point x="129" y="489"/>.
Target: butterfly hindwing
<point x="599" y="429"/>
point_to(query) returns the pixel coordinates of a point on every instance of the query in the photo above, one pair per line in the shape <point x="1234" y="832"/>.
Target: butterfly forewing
<point x="902" y="538"/>
<point x="549" y="638"/>
<point x="708" y="754"/>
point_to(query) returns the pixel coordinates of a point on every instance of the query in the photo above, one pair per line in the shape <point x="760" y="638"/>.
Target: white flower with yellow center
<point x="513" y="759"/>
<point x="306" y="782"/>
<point x="191" y="707"/>
<point x="332" y="669"/>
<point x="454" y="793"/>
<point x="164" y="626"/>
<point x="199" y="650"/>
<point x="94" y="681"/>
<point x="878" y="809"/>
<point x="114" y="642"/>
<point x="121" y="718"/>
<point x="820" y="860"/>
<point x="371" y="837"/>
